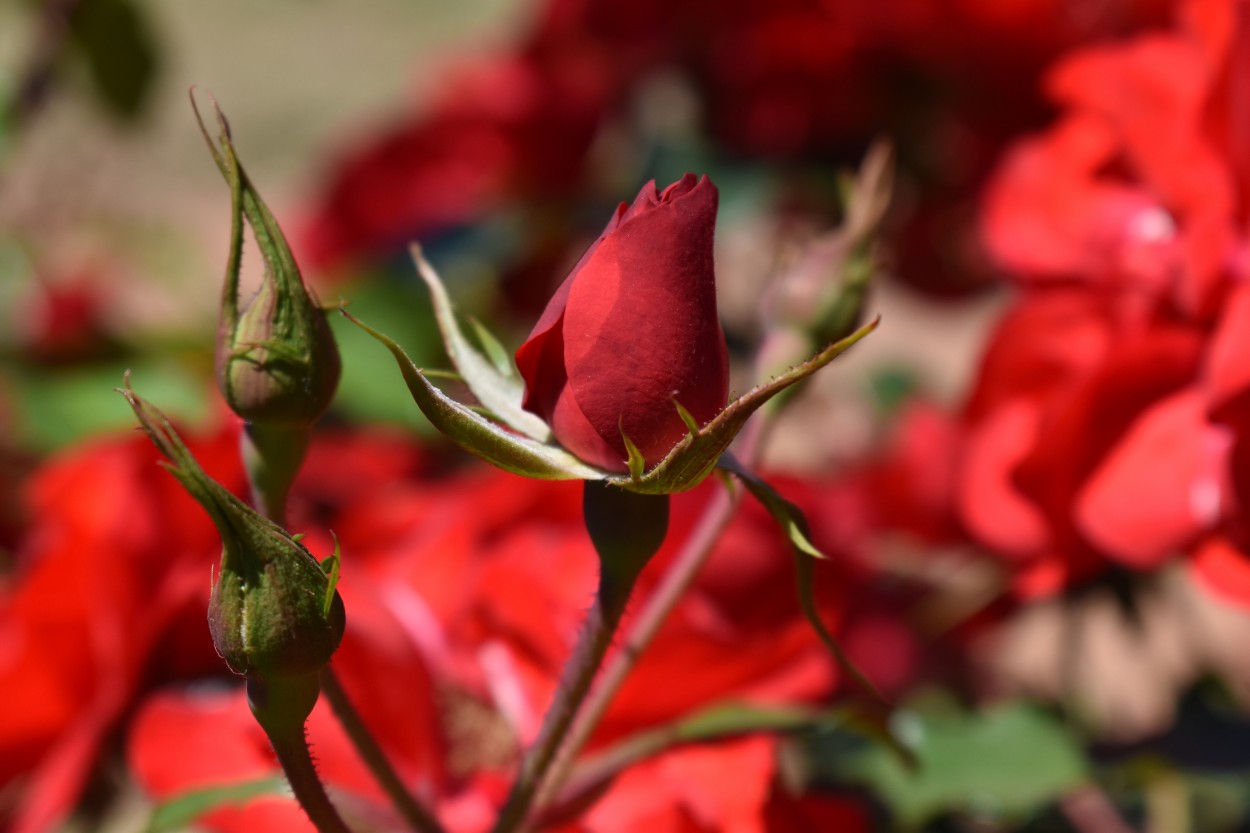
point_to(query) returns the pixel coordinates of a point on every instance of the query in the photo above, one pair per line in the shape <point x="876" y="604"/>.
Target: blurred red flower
<point x="1107" y="417"/>
<point x="464" y="590"/>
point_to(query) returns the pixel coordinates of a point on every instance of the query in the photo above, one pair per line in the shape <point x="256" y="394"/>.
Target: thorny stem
<point x="579" y="673"/>
<point x="371" y="753"/>
<point x="677" y="580"/>
<point x="270" y="475"/>
<point x="296" y="760"/>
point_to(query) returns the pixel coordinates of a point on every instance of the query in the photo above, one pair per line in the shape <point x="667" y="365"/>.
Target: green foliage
<point x="183" y="810"/>
<point x="57" y="407"/>
<point x="1001" y="763"/>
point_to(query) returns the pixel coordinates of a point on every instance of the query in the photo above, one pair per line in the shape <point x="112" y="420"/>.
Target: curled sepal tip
<point x="273" y="610"/>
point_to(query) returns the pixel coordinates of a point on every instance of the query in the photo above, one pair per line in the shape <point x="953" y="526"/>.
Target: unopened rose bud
<point x="277" y="361"/>
<point x="274" y="611"/>
<point x="633" y="332"/>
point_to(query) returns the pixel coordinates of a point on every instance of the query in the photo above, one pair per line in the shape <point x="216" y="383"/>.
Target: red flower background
<point x="1085" y="167"/>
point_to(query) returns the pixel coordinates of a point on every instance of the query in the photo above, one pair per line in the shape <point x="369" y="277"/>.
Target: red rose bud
<point x="276" y="358"/>
<point x="274" y="611"/>
<point x="633" y="332"/>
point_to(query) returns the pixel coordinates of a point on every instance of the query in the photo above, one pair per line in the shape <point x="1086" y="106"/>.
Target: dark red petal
<point x="579" y="436"/>
<point x="641" y="327"/>
<point x="540" y="359"/>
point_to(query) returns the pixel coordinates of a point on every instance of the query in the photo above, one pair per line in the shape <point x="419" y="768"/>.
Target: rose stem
<point x="417" y="816"/>
<point x="296" y="760"/>
<point x="693" y="555"/>
<point x="269" y="493"/>
<point x="579" y="673"/>
<point x="675" y="582"/>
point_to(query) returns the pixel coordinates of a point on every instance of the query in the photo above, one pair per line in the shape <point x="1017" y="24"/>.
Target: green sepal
<point x="495" y="351"/>
<point x="331" y="567"/>
<point x="531" y="453"/>
<point x="477" y="434"/>
<point x="267" y="611"/>
<point x="500" y="391"/>
<point x="634" y="460"/>
<point x="688" y="418"/>
<point x="696" y="455"/>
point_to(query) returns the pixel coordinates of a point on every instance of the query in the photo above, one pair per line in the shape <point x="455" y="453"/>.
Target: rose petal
<point x="1159" y="486"/>
<point x="641" y="327"/>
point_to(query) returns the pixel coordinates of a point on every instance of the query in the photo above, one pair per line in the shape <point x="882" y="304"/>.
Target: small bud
<point x="276" y="357"/>
<point x="274" y="611"/>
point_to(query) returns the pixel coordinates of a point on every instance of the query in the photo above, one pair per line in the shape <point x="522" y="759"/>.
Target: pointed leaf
<point x="477" y="434"/>
<point x="807" y="602"/>
<point x="788" y="516"/>
<point x="500" y="394"/>
<point x="1008" y="761"/>
<point x="695" y="456"/>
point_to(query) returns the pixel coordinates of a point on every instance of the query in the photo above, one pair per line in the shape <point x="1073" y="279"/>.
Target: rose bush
<point x="633" y="331"/>
<point x="465" y="591"/>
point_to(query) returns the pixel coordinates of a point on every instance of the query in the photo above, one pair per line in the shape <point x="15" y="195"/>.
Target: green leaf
<point x="792" y="522"/>
<point x="696" y="455"/>
<point x="477" y="434"/>
<point x="1004" y="761"/>
<point x="788" y="516"/>
<point x="57" y="407"/>
<point x="121" y="53"/>
<point x="499" y="393"/>
<point x="183" y="810"/>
